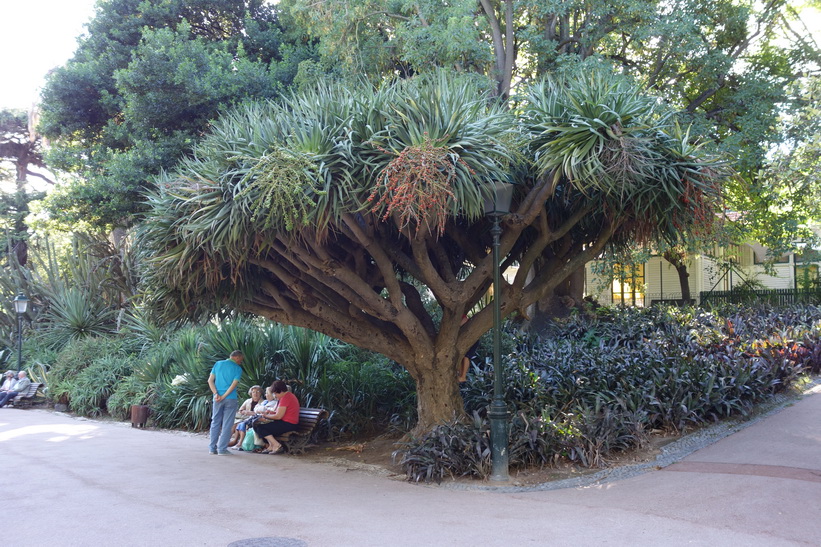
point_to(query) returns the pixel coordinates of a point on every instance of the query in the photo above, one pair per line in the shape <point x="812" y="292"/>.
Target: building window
<point x="628" y="285"/>
<point x="762" y="256"/>
<point x="806" y="276"/>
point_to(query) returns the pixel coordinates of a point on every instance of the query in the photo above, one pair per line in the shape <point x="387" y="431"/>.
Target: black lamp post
<point x="20" y="305"/>
<point x="496" y="206"/>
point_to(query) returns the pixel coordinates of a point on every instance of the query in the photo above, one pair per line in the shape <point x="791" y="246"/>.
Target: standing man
<point x="20" y="386"/>
<point x="223" y="383"/>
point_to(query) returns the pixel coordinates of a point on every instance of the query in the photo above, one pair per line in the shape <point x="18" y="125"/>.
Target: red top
<point x="291" y="404"/>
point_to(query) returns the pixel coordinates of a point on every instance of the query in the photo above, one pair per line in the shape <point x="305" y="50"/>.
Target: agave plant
<point x="74" y="314"/>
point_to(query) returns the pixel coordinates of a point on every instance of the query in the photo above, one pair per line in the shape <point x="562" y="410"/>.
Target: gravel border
<point x="670" y="453"/>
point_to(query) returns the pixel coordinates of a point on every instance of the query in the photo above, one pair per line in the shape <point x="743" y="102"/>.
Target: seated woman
<point x="269" y="404"/>
<point x="249" y="414"/>
<point x="284" y="419"/>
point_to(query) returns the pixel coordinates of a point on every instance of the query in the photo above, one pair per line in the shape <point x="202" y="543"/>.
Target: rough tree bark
<point x="677" y="258"/>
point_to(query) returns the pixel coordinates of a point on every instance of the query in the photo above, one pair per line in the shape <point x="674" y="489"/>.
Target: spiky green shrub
<point x="145" y="331"/>
<point x="74" y="314"/>
<point x="78" y="355"/>
<point x="89" y="391"/>
<point x="127" y="392"/>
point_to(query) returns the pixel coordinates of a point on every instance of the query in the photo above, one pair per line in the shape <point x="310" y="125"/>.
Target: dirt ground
<point x="376" y="456"/>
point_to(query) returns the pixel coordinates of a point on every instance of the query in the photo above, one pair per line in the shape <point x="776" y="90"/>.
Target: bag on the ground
<point x="248" y="441"/>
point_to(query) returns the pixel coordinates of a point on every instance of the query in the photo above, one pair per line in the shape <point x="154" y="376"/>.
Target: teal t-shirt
<point x="225" y="372"/>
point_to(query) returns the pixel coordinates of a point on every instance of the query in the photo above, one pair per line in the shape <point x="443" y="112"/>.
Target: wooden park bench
<point x="295" y="442"/>
<point x="24" y="400"/>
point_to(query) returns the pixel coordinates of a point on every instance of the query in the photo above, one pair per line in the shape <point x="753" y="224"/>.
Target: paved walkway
<point x="77" y="482"/>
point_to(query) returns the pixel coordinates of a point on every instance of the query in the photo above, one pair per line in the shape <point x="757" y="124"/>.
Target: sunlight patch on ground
<point x="61" y="432"/>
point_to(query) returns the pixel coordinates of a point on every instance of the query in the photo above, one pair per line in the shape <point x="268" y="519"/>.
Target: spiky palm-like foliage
<point x="74" y="314"/>
<point x="598" y="139"/>
<point x="345" y="211"/>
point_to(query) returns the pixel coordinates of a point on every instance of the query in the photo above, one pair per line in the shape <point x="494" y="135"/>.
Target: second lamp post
<point x="20" y="305"/>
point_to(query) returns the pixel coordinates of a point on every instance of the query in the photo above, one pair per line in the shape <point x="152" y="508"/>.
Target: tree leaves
<point x="144" y="85"/>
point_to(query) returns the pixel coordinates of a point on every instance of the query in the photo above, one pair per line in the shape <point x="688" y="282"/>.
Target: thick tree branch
<point x="705" y="95"/>
<point x="414" y="302"/>
<point x="271" y="290"/>
<point x="38" y="175"/>
<point x="444" y="262"/>
<point x="498" y="44"/>
<point x="571" y="221"/>
<point x="430" y="275"/>
<point x="337" y="284"/>
<point x="534" y="251"/>
<point x="581" y="253"/>
<point x="405" y="320"/>
<point x="379" y="256"/>
<point x="533" y="204"/>
<point x="373" y="338"/>
<point x="345" y="282"/>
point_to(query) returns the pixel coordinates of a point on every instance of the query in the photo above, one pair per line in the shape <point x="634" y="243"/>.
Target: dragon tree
<point x="359" y="213"/>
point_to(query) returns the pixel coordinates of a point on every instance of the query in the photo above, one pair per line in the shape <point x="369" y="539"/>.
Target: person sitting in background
<point x="284" y="419"/>
<point x="249" y="414"/>
<point x="268" y="405"/>
<point x="8" y="381"/>
<point x="20" y="386"/>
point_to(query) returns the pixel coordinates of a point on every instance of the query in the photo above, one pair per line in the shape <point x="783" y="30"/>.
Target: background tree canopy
<point x="142" y="87"/>
<point x="726" y="63"/>
<point x="21" y="157"/>
<point x="149" y="76"/>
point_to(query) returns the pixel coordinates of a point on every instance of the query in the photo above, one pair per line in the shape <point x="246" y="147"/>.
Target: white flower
<point x="179" y="379"/>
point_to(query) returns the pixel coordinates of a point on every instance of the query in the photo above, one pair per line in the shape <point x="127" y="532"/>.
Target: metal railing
<point x="775" y="297"/>
<point x="652" y="299"/>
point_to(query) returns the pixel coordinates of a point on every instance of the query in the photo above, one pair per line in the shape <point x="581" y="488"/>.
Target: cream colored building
<point x="657" y="279"/>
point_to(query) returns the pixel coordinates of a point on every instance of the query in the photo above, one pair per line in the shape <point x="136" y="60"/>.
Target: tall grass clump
<point x="90" y="390"/>
<point x="68" y="383"/>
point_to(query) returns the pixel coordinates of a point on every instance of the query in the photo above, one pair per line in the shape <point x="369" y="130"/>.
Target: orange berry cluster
<point x="416" y="187"/>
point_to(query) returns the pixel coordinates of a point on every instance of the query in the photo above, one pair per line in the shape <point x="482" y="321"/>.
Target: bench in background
<point x="295" y="442"/>
<point x="24" y="400"/>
